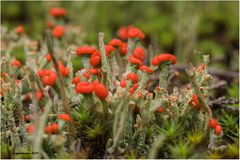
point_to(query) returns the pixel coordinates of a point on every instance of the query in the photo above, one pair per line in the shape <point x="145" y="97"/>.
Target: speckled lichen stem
<point x="120" y="131"/>
<point x="119" y="61"/>
<point x="85" y="61"/>
<point x="105" y="63"/>
<point x="143" y="82"/>
<point x="155" y="146"/>
<point x="164" y="73"/>
<point x="130" y="47"/>
<point x="40" y="131"/>
<point x="115" y="67"/>
<point x="118" y="125"/>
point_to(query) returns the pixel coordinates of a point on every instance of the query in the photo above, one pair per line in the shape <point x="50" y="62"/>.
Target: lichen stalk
<point x="105" y="63"/>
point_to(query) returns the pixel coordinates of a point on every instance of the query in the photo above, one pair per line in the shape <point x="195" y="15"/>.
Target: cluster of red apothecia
<point x="49" y="77"/>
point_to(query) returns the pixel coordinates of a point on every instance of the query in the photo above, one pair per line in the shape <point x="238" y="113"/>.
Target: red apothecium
<point x="85" y="50"/>
<point x="135" y="33"/>
<point x="58" y="31"/>
<point x="133" y="77"/>
<point x="64" y="70"/>
<point x="160" y="109"/>
<point x="218" y="130"/>
<point x="213" y="123"/>
<point x="16" y="63"/>
<point x="48" y="129"/>
<point x="123" y="83"/>
<point x="194" y="102"/>
<point x="134" y="60"/>
<point x="162" y="58"/>
<point x="123" y="49"/>
<point x="95" y="59"/>
<point x="115" y="43"/>
<point x="146" y="69"/>
<point x="75" y="80"/>
<point x="30" y="129"/>
<point x="138" y="53"/>
<point x="100" y="90"/>
<point x="48" y="77"/>
<point x="48" y="57"/>
<point x="84" y="88"/>
<point x="109" y="49"/>
<point x="20" y="29"/>
<point x="58" y="12"/>
<point x="64" y="117"/>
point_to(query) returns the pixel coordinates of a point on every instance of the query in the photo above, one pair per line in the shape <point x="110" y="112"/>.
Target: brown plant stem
<point x="65" y="101"/>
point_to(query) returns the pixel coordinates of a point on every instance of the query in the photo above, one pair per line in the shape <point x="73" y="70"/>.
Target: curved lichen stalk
<point x="105" y="63"/>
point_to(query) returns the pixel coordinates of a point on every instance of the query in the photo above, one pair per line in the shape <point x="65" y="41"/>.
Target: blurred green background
<point x="174" y="27"/>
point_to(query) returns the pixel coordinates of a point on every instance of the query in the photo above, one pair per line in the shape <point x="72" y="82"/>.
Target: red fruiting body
<point x="134" y="60"/>
<point x="85" y="74"/>
<point x="84" y="88"/>
<point x="135" y="86"/>
<point x="50" y="24"/>
<point x="41" y="72"/>
<point x="30" y="129"/>
<point x="123" y="83"/>
<point x="17" y="81"/>
<point x="39" y="95"/>
<point x="163" y="57"/>
<point x="131" y="90"/>
<point x="109" y="49"/>
<point x="123" y="33"/>
<point x="146" y="69"/>
<point x="20" y="29"/>
<point x="16" y="63"/>
<point x="64" y="70"/>
<point x="115" y="43"/>
<point x="75" y="80"/>
<point x="139" y="53"/>
<point x="218" y="130"/>
<point x="85" y="50"/>
<point x="48" y="129"/>
<point x="140" y="94"/>
<point x="93" y="71"/>
<point x="133" y="77"/>
<point x="155" y="61"/>
<point x="135" y="33"/>
<point x="4" y="74"/>
<point x="160" y="109"/>
<point x="100" y="90"/>
<point x="48" y="57"/>
<point x="202" y="66"/>
<point x="213" y="123"/>
<point x="49" y="77"/>
<point x="123" y="49"/>
<point x="64" y="117"/>
<point x="95" y="59"/>
<point x="194" y="102"/>
<point x="27" y="118"/>
<point x="57" y="12"/>
<point x="55" y="127"/>
<point x="58" y="31"/>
